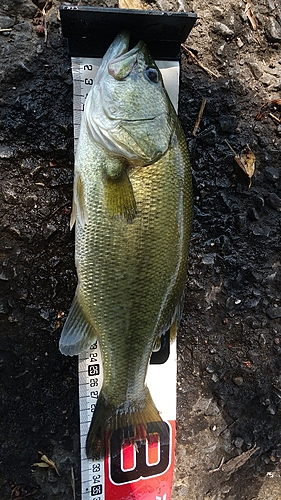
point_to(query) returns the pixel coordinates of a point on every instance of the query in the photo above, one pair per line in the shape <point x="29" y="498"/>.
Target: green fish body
<point x="132" y="206"/>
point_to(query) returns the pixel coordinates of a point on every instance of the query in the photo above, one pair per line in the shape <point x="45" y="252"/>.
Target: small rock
<point x="273" y="30"/>
<point x="208" y="259"/>
<point x="49" y="230"/>
<point x="260" y="230"/>
<point x="238" y="442"/>
<point x="254" y="67"/>
<point x="45" y="314"/>
<point x="218" y="12"/>
<point x="239" y="43"/>
<point x="223" y="30"/>
<point x="279" y="127"/>
<point x="253" y="214"/>
<point x="276" y="87"/>
<point x="10" y="196"/>
<point x="271" y="409"/>
<point x="215" y="377"/>
<point x="274" y="201"/>
<point x="237" y="380"/>
<point x="221" y="49"/>
<point x="6" y="152"/>
<point x="6" y="22"/>
<point x="228" y="123"/>
<point x="30" y="200"/>
<point x="267" y="80"/>
<point x="223" y="182"/>
<point x="28" y="9"/>
<point x="272" y="174"/>
<point x="39" y="49"/>
<point x="274" y="312"/>
<point x="202" y="404"/>
<point x="263" y="141"/>
<point x="271" y="4"/>
<point x="40" y="30"/>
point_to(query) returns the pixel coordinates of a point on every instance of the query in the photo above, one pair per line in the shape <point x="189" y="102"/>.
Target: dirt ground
<point x="229" y="343"/>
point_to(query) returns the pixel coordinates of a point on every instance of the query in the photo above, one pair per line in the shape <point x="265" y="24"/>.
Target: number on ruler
<point x="93" y="357"/>
<point x="96" y="467"/>
<point x="93" y="370"/>
<point x="96" y="490"/>
<point x="94" y="382"/>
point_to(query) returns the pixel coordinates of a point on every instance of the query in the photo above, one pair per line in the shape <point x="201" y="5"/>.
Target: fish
<point x="132" y="210"/>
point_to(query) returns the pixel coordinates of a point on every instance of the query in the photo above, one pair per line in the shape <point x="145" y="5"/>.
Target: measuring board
<point x="136" y="469"/>
<point x="126" y="477"/>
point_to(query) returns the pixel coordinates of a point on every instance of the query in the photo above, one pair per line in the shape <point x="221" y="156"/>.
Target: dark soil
<point x="229" y="343"/>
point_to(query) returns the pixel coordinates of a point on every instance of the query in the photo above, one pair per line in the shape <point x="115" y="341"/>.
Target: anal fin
<point x="77" y="334"/>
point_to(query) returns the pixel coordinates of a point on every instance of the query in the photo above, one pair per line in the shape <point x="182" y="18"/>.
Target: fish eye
<point x="152" y="75"/>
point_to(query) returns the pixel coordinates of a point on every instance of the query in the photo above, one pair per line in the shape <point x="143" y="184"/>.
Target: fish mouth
<point x="121" y="65"/>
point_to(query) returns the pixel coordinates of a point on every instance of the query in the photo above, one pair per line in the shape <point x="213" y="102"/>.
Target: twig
<point x="275" y="118"/>
<point x="59" y="208"/>
<point x="3" y="30"/>
<point x="73" y="483"/>
<point x="228" y="427"/>
<point x="201" y="110"/>
<point x="45" y="21"/>
<point x="230" y="147"/>
<point x="193" y="56"/>
<point x="219" y="467"/>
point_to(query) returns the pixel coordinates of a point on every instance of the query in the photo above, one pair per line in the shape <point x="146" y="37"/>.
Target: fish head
<point x="128" y="110"/>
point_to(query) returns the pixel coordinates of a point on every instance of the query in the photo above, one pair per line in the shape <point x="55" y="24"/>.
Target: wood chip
<point x="130" y="4"/>
<point x="250" y="15"/>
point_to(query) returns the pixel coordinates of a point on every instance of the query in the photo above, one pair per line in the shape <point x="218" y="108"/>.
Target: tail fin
<point x="108" y="418"/>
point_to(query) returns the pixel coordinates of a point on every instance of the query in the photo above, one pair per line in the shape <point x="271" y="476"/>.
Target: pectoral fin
<point x="119" y="197"/>
<point x="77" y="334"/>
<point x="78" y="205"/>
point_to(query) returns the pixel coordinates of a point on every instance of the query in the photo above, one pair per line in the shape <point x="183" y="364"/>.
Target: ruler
<point x="146" y="474"/>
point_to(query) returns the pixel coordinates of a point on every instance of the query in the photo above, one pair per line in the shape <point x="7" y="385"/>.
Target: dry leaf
<point x="46" y="462"/>
<point x="40" y="464"/>
<point x="237" y="462"/>
<point x="247" y="161"/>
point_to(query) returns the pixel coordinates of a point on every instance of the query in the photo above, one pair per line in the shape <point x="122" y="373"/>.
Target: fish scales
<point x="133" y="209"/>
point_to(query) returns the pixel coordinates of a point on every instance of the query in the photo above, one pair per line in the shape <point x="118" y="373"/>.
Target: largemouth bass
<point x="132" y="209"/>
